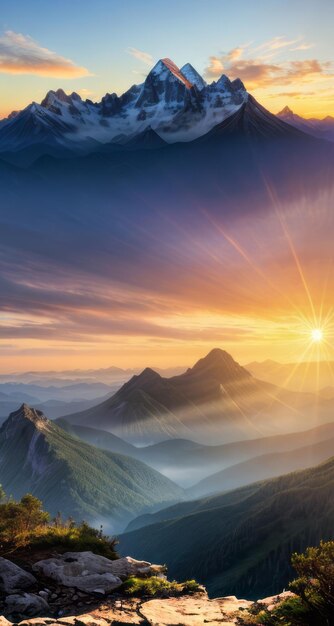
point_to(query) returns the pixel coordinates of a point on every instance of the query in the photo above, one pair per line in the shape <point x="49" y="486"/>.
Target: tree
<point x="313" y="604"/>
<point x="315" y="582"/>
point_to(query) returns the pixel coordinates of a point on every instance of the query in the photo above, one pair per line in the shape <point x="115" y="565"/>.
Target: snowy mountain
<point x="193" y="76"/>
<point x="176" y="104"/>
<point x="322" y="128"/>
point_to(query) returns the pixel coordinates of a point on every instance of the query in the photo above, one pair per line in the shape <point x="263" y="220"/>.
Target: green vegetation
<point x="155" y="586"/>
<point x="26" y="527"/>
<point x="39" y="457"/>
<point x="313" y="604"/>
<point x="239" y="543"/>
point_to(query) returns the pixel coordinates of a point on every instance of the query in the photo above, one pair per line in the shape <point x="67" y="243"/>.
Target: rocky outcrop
<point x="14" y="578"/>
<point x="84" y="589"/>
<point x="195" y="610"/>
<point x="83" y="570"/>
<point x="93" y="573"/>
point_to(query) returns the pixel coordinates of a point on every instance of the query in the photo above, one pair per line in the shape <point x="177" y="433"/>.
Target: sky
<point x="281" y="49"/>
<point x="170" y="301"/>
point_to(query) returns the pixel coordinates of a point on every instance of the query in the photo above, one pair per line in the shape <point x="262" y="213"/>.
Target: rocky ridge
<point x="85" y="589"/>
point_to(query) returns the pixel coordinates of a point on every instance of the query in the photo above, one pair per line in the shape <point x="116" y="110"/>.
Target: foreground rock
<point x="272" y="601"/>
<point x="28" y="604"/>
<point x="92" y="573"/>
<point x="14" y="578"/>
<point x="83" y="570"/>
<point x="193" y="611"/>
<point x="82" y="589"/>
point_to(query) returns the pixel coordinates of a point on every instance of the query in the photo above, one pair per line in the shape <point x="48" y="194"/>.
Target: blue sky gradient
<point x="97" y="36"/>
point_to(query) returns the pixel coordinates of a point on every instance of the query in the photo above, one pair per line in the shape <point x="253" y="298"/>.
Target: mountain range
<point x="172" y="105"/>
<point x="215" y="400"/>
<point x="322" y="128"/>
<point x="314" y="376"/>
<point x="240" y="542"/>
<point x="68" y="475"/>
<point x="175" y="103"/>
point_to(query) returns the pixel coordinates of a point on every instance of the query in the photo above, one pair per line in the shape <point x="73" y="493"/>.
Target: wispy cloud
<point x="142" y="56"/>
<point x="20" y="54"/>
<point x="277" y="43"/>
<point x="304" y="46"/>
<point x="263" y="66"/>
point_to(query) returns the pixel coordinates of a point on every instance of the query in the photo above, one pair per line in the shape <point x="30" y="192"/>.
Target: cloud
<point x="277" y="43"/>
<point x="263" y="66"/>
<point x="20" y="54"/>
<point x="304" y="46"/>
<point x="144" y="57"/>
<point x="235" y="54"/>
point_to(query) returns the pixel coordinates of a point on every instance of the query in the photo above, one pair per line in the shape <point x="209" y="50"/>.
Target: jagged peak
<point x="138" y="381"/>
<point x="30" y="413"/>
<point x="220" y="364"/>
<point x="191" y="74"/>
<point x="60" y="96"/>
<point x="26" y="413"/>
<point x="223" y="80"/>
<point x="75" y="96"/>
<point x="286" y="111"/>
<point x="168" y="64"/>
<point x="148" y="374"/>
<point x="237" y="84"/>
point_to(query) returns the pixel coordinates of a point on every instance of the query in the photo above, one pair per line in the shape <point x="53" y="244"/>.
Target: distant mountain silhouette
<point x="217" y="398"/>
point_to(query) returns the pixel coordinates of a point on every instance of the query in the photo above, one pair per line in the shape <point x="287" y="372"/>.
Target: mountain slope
<point x="187" y="461"/>
<point x="264" y="467"/>
<point x="69" y="475"/>
<point x="100" y="439"/>
<point x="217" y="398"/>
<point x="241" y="542"/>
<point x="254" y="121"/>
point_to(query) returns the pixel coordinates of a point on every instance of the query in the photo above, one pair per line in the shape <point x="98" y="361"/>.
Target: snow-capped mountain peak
<point x="164" y="66"/>
<point x="177" y="104"/>
<point x="189" y="72"/>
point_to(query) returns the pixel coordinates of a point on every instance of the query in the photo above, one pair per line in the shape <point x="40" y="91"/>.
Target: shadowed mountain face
<point x="216" y="400"/>
<point x="241" y="542"/>
<point x="322" y="128"/>
<point x="68" y="475"/>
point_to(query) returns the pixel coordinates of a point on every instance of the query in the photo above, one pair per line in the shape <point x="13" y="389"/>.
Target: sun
<point x="317" y="335"/>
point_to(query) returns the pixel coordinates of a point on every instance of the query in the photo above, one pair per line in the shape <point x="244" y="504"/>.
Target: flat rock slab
<point x="231" y="605"/>
<point x="272" y="601"/>
<point x="190" y="611"/>
<point x="196" y="610"/>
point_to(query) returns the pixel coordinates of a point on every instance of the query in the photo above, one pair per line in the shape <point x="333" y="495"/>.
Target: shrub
<point x="155" y="586"/>
<point x="24" y="525"/>
<point x="313" y="604"/>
